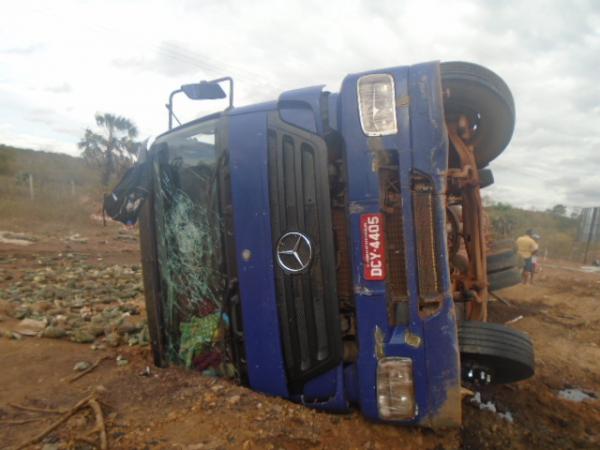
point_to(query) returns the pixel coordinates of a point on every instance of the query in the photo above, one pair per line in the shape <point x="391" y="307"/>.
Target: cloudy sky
<point x="62" y="61"/>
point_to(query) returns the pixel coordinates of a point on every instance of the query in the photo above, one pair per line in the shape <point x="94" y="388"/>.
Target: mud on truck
<point x="331" y="248"/>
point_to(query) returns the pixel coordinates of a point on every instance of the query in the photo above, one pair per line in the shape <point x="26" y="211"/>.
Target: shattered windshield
<point x="189" y="244"/>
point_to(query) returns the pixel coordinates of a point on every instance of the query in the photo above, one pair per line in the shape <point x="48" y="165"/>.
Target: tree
<point x="504" y="207"/>
<point x="112" y="148"/>
<point x="558" y="210"/>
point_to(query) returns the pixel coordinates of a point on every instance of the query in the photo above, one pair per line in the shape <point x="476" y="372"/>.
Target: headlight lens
<point x="377" y="104"/>
<point x="395" y="389"/>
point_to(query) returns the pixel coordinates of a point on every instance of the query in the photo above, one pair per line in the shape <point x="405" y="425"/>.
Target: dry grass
<point x="66" y="191"/>
<point x="22" y="213"/>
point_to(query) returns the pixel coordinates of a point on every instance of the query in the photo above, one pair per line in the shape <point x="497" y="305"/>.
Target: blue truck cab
<point x="310" y="247"/>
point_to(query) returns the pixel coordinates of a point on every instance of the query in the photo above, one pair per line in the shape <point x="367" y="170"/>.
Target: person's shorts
<point x="528" y="265"/>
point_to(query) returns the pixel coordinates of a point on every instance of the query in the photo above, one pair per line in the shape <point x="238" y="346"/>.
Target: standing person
<point x="527" y="247"/>
<point x="535" y="258"/>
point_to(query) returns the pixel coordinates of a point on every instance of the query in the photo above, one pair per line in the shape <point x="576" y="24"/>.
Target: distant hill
<point x="46" y="166"/>
<point x="64" y="187"/>
<point x="558" y="232"/>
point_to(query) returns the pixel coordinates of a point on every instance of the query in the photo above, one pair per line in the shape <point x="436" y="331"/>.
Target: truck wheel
<point x="453" y="230"/>
<point x="486" y="100"/>
<point x="502" y="260"/>
<point x="492" y="353"/>
<point x="503" y="244"/>
<point x="504" y="279"/>
<point x="486" y="178"/>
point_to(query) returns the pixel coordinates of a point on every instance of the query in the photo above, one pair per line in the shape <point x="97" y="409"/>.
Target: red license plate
<point x="373" y="246"/>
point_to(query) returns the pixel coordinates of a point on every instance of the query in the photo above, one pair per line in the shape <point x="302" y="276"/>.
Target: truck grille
<point x="425" y="239"/>
<point x="307" y="301"/>
<point x="344" y="268"/>
<point x="394" y="237"/>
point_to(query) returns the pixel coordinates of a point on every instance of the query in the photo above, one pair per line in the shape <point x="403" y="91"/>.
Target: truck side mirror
<point x="204" y="90"/>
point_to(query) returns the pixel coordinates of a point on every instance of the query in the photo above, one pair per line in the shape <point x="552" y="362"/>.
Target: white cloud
<point x="9" y="136"/>
<point x="65" y="60"/>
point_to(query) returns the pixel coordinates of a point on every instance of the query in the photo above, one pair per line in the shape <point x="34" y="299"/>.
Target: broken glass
<point x="189" y="246"/>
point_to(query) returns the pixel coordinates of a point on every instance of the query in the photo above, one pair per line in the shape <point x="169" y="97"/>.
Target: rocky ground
<point x="73" y="294"/>
<point x="67" y="302"/>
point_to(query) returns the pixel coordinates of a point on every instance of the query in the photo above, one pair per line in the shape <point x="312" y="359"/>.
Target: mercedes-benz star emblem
<point x="294" y="252"/>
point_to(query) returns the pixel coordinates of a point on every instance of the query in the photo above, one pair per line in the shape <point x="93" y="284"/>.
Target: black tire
<point x="453" y="231"/>
<point x="486" y="178"/>
<point x="503" y="279"/>
<point x="486" y="100"/>
<point x="502" y="260"/>
<point x="460" y="263"/>
<point x="503" y="244"/>
<point x="504" y="353"/>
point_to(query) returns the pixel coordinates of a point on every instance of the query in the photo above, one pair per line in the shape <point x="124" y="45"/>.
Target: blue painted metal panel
<point x="337" y="401"/>
<point x="321" y="387"/>
<point x="421" y="144"/>
<point x="252" y="219"/>
<point x="351" y="383"/>
<point x="363" y="197"/>
<point x="396" y="345"/>
<point x="430" y="150"/>
<point x="257" y="107"/>
<point x="302" y="108"/>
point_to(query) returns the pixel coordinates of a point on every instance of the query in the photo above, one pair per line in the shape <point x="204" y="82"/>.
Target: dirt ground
<point x="150" y="408"/>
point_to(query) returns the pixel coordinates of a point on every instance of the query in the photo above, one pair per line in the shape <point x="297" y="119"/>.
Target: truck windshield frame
<point x="189" y="242"/>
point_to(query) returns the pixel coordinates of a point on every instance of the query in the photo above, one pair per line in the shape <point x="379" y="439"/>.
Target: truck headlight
<point x="377" y="104"/>
<point x="395" y="389"/>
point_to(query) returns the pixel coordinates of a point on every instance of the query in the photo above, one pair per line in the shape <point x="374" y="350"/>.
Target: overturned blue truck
<point x="331" y="248"/>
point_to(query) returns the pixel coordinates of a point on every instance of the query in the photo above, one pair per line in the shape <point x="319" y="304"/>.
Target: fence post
<point x="590" y="234"/>
<point x="31" y="192"/>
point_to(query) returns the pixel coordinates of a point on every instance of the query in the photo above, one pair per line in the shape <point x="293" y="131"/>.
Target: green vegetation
<point x="558" y="232"/>
<point x="112" y="149"/>
<point x="558" y="210"/>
